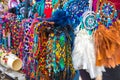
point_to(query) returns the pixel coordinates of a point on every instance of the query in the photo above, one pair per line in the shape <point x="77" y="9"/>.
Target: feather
<point x="83" y="54"/>
<point x="107" y="44"/>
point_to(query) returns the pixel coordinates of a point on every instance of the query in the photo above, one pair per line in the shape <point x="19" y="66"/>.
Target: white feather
<point x="83" y="54"/>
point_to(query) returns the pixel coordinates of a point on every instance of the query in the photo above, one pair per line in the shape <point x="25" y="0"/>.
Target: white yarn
<point x="83" y="54"/>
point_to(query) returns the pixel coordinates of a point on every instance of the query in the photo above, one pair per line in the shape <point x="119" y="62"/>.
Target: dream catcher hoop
<point x="107" y="9"/>
<point x="107" y="13"/>
<point x="89" y="20"/>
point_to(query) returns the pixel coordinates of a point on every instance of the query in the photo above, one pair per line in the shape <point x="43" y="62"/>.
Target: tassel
<point x="98" y="16"/>
<point x="109" y="22"/>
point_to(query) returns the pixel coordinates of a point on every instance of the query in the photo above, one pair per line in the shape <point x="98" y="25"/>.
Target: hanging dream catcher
<point x="89" y="20"/>
<point x="76" y="8"/>
<point x="107" y="13"/>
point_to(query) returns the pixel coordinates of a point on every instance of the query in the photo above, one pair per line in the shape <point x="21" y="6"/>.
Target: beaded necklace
<point x="26" y="52"/>
<point x="42" y="47"/>
<point x="16" y="35"/>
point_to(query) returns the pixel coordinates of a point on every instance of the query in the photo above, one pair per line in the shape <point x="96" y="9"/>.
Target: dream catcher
<point x="75" y="8"/>
<point x="108" y="34"/>
<point x="89" y="20"/>
<point x="83" y="54"/>
<point x="13" y="3"/>
<point x="107" y="13"/>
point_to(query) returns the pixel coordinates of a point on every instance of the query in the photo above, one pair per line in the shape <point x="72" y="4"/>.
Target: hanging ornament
<point x="89" y="20"/>
<point x="83" y="55"/>
<point x="107" y="13"/>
